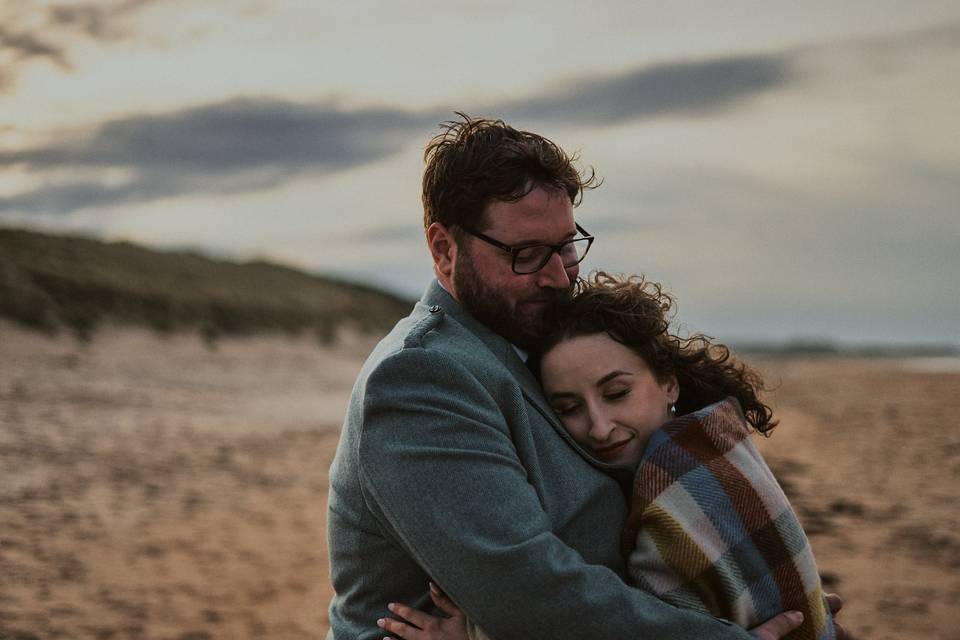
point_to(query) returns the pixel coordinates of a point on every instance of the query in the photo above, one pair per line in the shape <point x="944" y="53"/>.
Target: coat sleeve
<point x="439" y="471"/>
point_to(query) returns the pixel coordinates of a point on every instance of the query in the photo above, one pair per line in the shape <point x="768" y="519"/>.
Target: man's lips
<point x="611" y="450"/>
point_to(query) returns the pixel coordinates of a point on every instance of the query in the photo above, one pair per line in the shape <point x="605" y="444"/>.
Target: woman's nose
<point x="600" y="425"/>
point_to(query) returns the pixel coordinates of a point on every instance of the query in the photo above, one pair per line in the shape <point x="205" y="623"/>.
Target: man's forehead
<point x="537" y="217"/>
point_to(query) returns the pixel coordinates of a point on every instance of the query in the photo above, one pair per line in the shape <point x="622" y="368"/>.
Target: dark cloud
<point x="143" y="187"/>
<point x="700" y="87"/>
<point x="22" y="45"/>
<point x="96" y="20"/>
<point x="688" y="87"/>
<point x="231" y="136"/>
<point x="31" y="31"/>
<point x="239" y="145"/>
<point x="71" y="197"/>
<point x="247" y="144"/>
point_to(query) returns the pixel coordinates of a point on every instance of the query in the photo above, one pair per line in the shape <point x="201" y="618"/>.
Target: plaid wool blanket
<point x="710" y="528"/>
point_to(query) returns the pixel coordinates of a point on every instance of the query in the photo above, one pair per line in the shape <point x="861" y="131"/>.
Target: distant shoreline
<point x="831" y="349"/>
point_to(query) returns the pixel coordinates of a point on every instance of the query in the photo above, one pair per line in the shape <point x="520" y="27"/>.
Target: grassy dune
<point x="52" y="282"/>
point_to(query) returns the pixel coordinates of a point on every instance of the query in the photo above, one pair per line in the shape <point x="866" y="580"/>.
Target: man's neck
<point x="448" y="287"/>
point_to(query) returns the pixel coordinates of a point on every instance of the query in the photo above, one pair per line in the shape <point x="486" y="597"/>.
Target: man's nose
<point x="554" y="274"/>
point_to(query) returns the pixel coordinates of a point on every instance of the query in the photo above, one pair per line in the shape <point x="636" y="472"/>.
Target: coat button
<point x="435" y="308"/>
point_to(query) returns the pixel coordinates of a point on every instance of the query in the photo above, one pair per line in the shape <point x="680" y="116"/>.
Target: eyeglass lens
<point x="533" y="258"/>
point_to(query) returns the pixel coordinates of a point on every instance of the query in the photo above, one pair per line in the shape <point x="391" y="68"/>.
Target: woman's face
<point x="606" y="396"/>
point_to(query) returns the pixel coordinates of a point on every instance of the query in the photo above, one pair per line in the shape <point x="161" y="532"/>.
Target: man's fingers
<point x="444" y="603"/>
<point x="776" y="628"/>
<point x="834" y="602"/>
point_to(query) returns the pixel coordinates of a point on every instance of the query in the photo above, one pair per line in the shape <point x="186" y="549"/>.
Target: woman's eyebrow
<point x="616" y="373"/>
<point x="610" y="376"/>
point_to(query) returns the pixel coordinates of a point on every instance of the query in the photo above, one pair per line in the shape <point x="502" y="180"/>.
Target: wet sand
<point x="156" y="488"/>
<point x="869" y="452"/>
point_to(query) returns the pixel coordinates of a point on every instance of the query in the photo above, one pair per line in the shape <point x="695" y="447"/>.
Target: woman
<point x="709" y="527"/>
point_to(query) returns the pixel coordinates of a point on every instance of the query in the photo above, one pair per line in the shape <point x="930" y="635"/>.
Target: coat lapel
<point x="436" y="296"/>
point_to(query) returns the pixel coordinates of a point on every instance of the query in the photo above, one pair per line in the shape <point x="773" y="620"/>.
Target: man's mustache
<point x="553" y="296"/>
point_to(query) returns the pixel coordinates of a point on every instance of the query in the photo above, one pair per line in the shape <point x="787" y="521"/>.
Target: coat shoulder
<point x="437" y="334"/>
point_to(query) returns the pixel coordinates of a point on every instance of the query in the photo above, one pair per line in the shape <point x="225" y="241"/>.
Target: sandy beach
<point x="155" y="487"/>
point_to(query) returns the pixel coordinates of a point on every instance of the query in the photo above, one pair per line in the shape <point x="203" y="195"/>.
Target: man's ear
<point x="443" y="248"/>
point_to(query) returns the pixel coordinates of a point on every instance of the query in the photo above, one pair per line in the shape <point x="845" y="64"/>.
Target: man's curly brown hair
<point x="636" y="313"/>
<point x="476" y="161"/>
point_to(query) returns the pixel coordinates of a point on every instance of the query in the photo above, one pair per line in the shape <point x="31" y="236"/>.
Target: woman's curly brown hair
<point x="636" y="313"/>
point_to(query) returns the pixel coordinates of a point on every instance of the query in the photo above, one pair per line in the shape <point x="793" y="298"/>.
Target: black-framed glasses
<point x="531" y="258"/>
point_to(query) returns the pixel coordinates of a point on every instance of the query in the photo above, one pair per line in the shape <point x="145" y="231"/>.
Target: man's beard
<point x="523" y="327"/>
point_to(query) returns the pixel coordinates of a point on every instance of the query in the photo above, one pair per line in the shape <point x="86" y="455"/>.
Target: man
<point x="451" y="466"/>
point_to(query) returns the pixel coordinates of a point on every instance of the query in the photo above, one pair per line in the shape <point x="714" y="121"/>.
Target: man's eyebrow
<point x="610" y="376"/>
<point x="530" y="243"/>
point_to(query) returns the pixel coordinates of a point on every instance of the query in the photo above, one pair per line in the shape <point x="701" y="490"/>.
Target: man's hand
<point x="417" y="625"/>
<point x="779" y="626"/>
<point x="835" y="604"/>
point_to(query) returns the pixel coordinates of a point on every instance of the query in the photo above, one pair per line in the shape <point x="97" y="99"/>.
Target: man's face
<point x="514" y="305"/>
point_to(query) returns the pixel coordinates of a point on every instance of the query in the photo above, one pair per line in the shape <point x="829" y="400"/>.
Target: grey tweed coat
<point x="451" y="467"/>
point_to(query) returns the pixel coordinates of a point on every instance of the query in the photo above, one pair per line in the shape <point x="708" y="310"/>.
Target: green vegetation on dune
<point x="50" y="282"/>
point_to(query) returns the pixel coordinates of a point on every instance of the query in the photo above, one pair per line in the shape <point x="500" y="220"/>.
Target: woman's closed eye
<point x="616" y="394"/>
<point x="566" y="409"/>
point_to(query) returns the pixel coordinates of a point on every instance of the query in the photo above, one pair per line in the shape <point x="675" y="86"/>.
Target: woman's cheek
<point x="577" y="429"/>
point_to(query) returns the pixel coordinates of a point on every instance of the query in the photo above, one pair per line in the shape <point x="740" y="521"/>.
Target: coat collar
<point x="437" y="297"/>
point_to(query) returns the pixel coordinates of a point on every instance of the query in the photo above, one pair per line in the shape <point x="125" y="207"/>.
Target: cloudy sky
<point x="788" y="170"/>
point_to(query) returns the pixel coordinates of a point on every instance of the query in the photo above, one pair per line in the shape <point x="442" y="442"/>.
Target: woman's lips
<point x="611" y="450"/>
